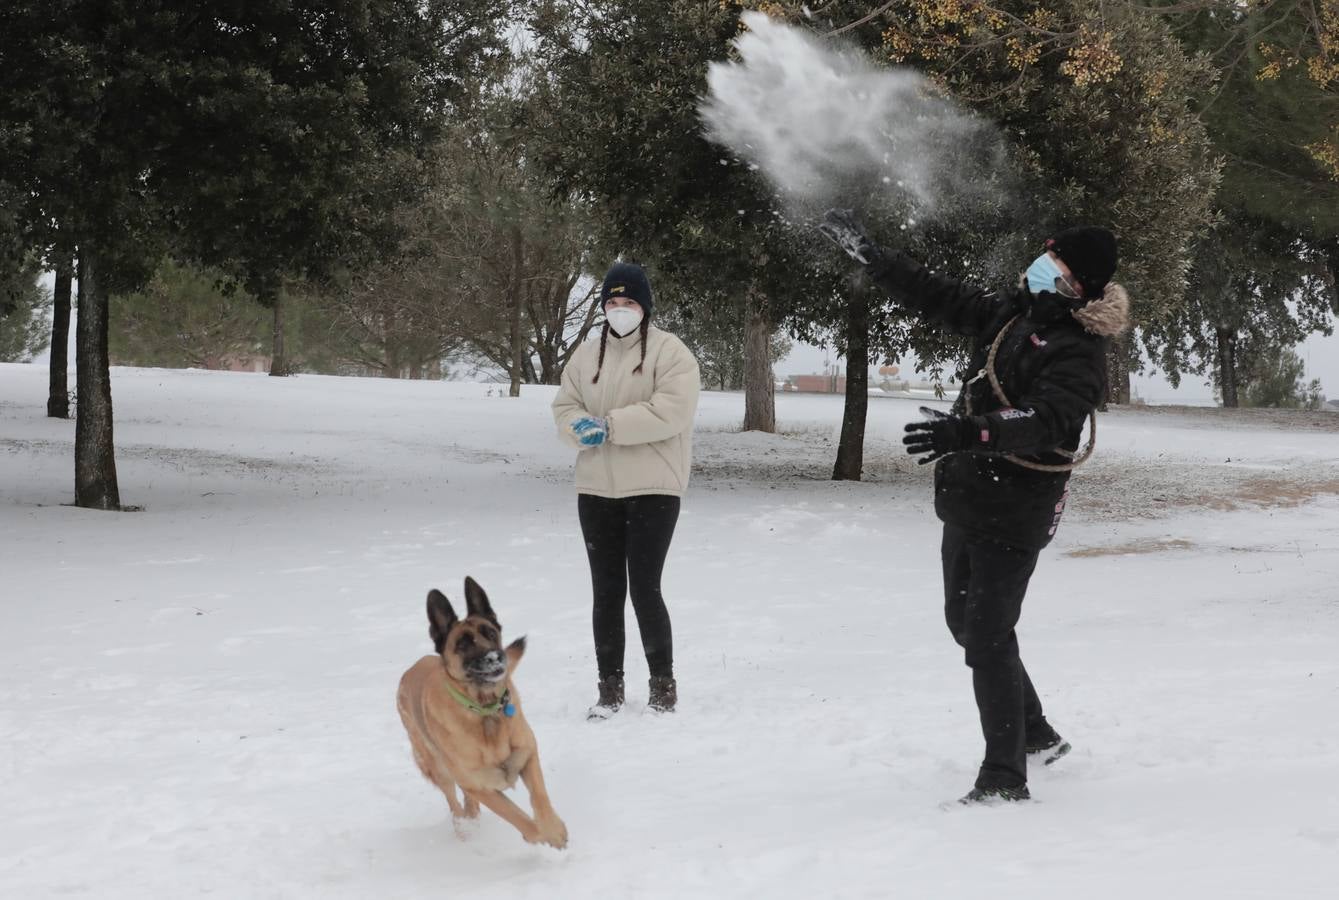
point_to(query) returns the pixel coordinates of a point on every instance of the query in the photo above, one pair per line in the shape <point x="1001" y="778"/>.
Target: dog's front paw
<point x="553" y="832"/>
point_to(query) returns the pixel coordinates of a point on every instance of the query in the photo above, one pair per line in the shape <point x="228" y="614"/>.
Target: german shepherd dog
<point x="465" y="722"/>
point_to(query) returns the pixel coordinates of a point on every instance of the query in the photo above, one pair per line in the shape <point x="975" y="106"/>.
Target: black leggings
<point x="626" y="541"/>
<point x="984" y="585"/>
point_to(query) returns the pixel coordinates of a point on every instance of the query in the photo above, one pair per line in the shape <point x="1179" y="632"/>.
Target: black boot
<point x="611" y="698"/>
<point x="664" y="693"/>
<point x="991" y="796"/>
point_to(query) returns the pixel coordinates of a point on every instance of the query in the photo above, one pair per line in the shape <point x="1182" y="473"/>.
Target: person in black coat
<point x="1004" y="455"/>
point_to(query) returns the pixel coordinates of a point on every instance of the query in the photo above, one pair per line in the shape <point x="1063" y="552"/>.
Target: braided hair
<point x="644" y="330"/>
<point x="604" y="340"/>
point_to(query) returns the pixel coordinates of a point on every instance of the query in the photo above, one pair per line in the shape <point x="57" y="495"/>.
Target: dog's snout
<point x="490" y="666"/>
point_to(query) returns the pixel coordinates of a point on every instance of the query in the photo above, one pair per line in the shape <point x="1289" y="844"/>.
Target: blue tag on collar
<point x="509" y="710"/>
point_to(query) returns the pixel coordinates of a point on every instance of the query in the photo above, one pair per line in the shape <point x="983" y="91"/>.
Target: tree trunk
<point x="94" y="453"/>
<point x="1118" y="371"/>
<point x="1227" y="367"/>
<point x="851" y="448"/>
<point x="517" y="336"/>
<point x="759" y="382"/>
<point x="550" y="372"/>
<point x="279" y="356"/>
<point x="58" y="395"/>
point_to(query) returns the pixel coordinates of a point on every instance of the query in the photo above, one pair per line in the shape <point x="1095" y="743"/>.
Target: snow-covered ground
<point x="198" y="698"/>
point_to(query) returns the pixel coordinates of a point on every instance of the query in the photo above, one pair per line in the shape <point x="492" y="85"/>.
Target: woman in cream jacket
<point x="627" y="403"/>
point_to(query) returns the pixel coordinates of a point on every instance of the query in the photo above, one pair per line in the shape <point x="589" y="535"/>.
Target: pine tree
<point x="1094" y="105"/>
<point x="1256" y="288"/>
<point x="185" y="318"/>
<point x="24" y="304"/>
<point x="623" y="82"/>
<point x="1265" y="275"/>
<point x="1276" y="380"/>
<point x="270" y="139"/>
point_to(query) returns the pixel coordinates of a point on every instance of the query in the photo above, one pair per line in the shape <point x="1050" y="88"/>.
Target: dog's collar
<point x="502" y="704"/>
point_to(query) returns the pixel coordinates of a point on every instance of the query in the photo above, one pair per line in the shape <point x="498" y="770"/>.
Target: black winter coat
<point x="1052" y="369"/>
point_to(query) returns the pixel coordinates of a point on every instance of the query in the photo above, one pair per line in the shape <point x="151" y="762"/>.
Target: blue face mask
<point x="1045" y="275"/>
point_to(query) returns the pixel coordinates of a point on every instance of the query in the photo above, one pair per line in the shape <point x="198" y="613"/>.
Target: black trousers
<point x="984" y="584"/>
<point x="627" y="541"/>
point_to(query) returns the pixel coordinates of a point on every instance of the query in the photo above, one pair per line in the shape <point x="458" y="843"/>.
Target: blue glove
<point x="590" y="430"/>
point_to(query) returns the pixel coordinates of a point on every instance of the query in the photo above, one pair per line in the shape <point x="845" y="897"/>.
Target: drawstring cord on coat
<point x="1076" y="460"/>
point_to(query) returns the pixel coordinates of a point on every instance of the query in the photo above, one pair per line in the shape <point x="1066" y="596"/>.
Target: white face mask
<point x="624" y="319"/>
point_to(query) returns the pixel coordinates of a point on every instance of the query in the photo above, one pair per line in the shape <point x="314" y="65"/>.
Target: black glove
<point x="941" y="435"/>
<point x="841" y="227"/>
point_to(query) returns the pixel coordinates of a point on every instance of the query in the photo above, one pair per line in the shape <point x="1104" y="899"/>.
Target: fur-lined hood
<point x="1108" y="315"/>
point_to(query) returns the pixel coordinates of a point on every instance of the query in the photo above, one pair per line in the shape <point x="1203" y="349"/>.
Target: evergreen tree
<point x="271" y="139"/>
<point x="1265" y="276"/>
<point x="1275" y="379"/>
<point x="185" y="318"/>
<point x="1097" y="102"/>
<point x="1257" y="288"/>
<point x="623" y="82"/>
<point x="24" y="305"/>
<point x="714" y="329"/>
<point x="1093" y="103"/>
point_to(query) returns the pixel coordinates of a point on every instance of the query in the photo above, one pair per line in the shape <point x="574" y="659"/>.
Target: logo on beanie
<point x="618" y="290"/>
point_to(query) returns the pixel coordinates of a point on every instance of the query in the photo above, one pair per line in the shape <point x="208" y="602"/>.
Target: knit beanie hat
<point x="1090" y="253"/>
<point x="628" y="280"/>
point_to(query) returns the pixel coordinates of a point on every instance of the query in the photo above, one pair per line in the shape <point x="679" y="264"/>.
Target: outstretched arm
<point x="960" y="308"/>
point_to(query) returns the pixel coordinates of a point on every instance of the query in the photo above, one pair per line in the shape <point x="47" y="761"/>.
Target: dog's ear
<point x="440" y="618"/>
<point x="476" y="601"/>
<point x="515" y="650"/>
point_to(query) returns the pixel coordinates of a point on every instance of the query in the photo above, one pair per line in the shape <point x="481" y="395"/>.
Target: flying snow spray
<point x="830" y="128"/>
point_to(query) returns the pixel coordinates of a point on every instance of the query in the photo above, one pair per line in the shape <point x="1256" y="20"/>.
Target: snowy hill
<point x="199" y="698"/>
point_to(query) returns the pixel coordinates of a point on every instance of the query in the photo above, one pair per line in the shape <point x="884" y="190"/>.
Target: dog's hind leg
<point x="510" y="812"/>
<point x="437" y="775"/>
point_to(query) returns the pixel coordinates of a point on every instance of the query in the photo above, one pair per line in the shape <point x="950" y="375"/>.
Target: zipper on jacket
<point x="607" y="450"/>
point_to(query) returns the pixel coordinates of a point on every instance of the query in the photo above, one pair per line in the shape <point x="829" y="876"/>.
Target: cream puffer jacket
<point x="650" y="414"/>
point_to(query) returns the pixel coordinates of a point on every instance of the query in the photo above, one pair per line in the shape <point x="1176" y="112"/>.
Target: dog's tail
<point x="515" y="650"/>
